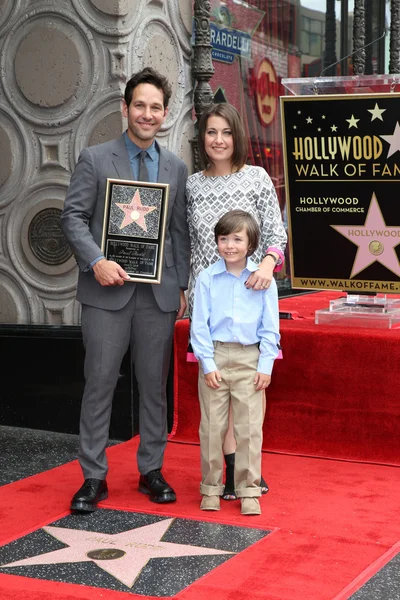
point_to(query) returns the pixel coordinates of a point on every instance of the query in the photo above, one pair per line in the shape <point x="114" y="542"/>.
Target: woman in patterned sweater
<point x="227" y="183"/>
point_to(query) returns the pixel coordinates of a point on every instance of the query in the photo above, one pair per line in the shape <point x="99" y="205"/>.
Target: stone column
<point x="63" y="70"/>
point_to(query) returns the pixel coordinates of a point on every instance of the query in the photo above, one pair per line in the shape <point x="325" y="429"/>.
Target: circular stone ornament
<point x="45" y="238"/>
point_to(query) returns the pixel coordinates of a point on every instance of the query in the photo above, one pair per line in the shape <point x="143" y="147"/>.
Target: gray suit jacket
<point x="82" y="223"/>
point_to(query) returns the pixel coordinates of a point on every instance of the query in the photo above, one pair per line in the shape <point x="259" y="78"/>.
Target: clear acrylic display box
<point x="379" y="312"/>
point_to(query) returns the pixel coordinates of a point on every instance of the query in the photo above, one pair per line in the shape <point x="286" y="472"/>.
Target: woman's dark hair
<point x="236" y="220"/>
<point x="232" y="116"/>
<point x="148" y="75"/>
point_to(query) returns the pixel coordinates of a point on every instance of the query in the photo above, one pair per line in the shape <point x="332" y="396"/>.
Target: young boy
<point x="235" y="336"/>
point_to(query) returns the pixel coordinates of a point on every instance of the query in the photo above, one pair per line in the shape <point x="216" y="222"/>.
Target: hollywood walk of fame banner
<point x="134" y="227"/>
<point x="342" y="172"/>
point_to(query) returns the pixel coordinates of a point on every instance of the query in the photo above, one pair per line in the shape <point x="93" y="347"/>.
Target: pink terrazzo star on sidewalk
<point x="122" y="555"/>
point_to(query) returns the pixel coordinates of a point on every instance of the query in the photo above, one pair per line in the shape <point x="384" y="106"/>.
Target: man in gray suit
<point x="117" y="312"/>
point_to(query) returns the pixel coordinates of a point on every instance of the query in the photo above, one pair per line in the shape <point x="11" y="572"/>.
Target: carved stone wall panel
<point x="181" y="15"/>
<point x="156" y="44"/>
<point x="116" y="60"/>
<point x="18" y="304"/>
<point x="2" y="236"/>
<point x="53" y="150"/>
<point x="9" y="9"/>
<point x="182" y="136"/>
<point x="104" y="123"/>
<point x="60" y="311"/>
<point x="115" y="8"/>
<point x="16" y="156"/>
<point x="63" y="68"/>
<point x="55" y="67"/>
<point x="36" y="245"/>
<point x="114" y="18"/>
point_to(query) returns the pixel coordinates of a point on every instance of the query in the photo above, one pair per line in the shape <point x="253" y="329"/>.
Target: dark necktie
<point x="143" y="172"/>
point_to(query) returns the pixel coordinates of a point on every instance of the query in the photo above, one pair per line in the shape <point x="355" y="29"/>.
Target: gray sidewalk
<point x="26" y="452"/>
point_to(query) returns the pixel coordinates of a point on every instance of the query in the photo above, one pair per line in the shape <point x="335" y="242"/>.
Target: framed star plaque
<point x="342" y="172"/>
<point x="134" y="223"/>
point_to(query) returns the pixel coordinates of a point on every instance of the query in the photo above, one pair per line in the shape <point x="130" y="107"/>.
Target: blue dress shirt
<point x="151" y="160"/>
<point x="225" y="310"/>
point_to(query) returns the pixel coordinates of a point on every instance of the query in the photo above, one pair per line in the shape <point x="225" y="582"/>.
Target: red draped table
<point x="335" y="394"/>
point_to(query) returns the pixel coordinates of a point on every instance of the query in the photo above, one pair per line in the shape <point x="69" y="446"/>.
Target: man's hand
<point x="262" y="381"/>
<point x="183" y="305"/>
<point x="108" y="272"/>
<point x="212" y="379"/>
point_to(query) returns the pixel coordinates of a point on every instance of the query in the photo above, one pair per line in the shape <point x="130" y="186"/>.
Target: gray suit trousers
<point x="106" y="336"/>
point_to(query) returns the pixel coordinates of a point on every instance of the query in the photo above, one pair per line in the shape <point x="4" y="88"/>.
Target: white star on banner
<point x="352" y="122"/>
<point x="393" y="140"/>
<point x="376" y="112"/>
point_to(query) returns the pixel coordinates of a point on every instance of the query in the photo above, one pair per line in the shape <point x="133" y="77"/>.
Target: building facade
<point x="63" y="70"/>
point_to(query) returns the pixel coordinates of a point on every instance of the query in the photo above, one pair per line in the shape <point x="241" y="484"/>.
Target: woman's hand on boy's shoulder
<point x="261" y="279"/>
<point x="213" y="379"/>
<point x="262" y="381"/>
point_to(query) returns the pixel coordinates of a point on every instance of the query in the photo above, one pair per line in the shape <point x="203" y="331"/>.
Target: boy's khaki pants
<point x="238" y="366"/>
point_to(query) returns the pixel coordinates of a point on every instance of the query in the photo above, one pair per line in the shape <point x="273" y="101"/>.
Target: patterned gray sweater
<point x="208" y="198"/>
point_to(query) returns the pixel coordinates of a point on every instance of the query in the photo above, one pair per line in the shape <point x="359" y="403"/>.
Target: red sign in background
<point x="254" y="85"/>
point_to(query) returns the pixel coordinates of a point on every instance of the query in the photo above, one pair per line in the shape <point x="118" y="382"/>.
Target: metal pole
<point x="359" y="37"/>
<point x="369" y="36"/>
<point x="344" y="35"/>
<point x="394" y="63"/>
<point x="202" y="67"/>
<point x="330" y="38"/>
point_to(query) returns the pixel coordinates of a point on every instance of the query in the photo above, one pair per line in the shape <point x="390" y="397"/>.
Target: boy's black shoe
<point x="87" y="497"/>
<point x="156" y="487"/>
<point x="264" y="486"/>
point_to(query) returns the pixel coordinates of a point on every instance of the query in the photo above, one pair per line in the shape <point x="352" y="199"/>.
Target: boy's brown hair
<point x="236" y="220"/>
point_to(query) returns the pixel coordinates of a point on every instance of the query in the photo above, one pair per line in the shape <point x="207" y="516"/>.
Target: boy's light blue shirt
<point x="225" y="310"/>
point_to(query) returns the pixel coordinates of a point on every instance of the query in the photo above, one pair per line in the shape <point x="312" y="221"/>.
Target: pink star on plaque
<point x="135" y="212"/>
<point x="375" y="241"/>
<point x="121" y="555"/>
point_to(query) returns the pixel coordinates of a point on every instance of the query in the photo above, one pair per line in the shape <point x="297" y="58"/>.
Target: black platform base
<point x="42" y="381"/>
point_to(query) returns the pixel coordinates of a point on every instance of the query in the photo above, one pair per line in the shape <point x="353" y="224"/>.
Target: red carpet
<point x="333" y="520"/>
<point x="334" y="394"/>
<point x="334" y="523"/>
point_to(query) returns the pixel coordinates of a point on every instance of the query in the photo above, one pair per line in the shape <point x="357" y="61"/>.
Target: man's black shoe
<point x="156" y="487"/>
<point x="87" y="497"/>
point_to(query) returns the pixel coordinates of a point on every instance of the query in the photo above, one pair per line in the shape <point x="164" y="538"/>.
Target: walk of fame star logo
<point x="135" y="212"/>
<point x="375" y="240"/>
<point x="393" y="140"/>
<point x="324" y="126"/>
<point x="145" y="554"/>
<point x="122" y="555"/>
